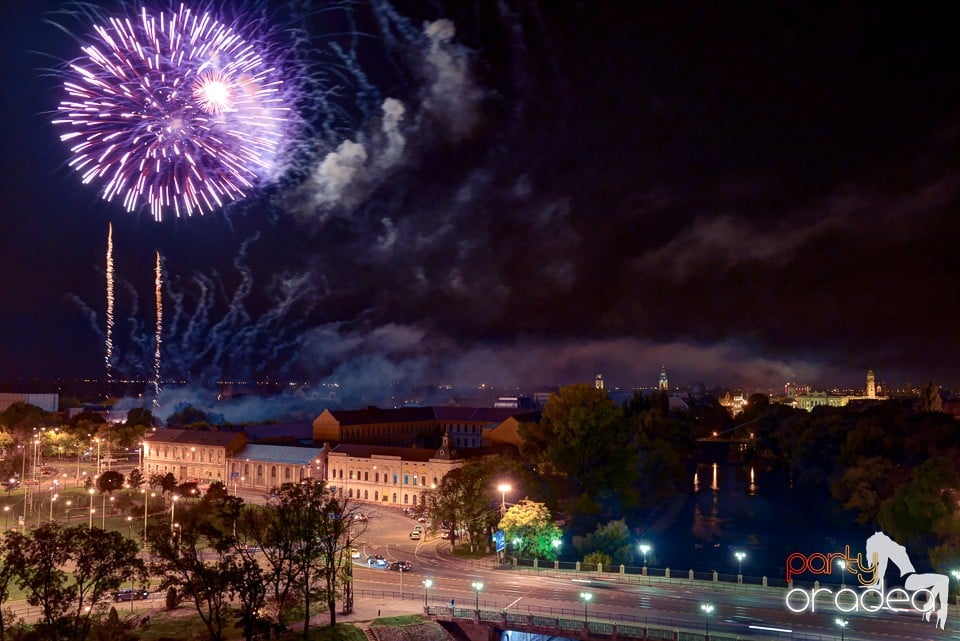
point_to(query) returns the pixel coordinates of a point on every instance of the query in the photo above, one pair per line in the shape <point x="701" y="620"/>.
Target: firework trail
<point x="174" y="111"/>
<point x="108" y="342"/>
<point x="158" y="293"/>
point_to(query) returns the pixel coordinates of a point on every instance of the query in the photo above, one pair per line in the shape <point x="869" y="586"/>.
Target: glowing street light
<point x="586" y="596"/>
<point x="173" y="509"/>
<point x="707" y="609"/>
<point x="427" y="584"/>
<point x="956" y="574"/>
<point x="504" y="488"/>
<point x="52" y="500"/>
<point x="644" y="548"/>
<point x="477" y="586"/>
<point x="92" y="510"/>
<point x="841" y="623"/>
<point x="740" y="557"/>
<point x="843" y="571"/>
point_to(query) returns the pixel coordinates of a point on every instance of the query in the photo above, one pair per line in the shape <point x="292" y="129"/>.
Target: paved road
<point x="633" y="597"/>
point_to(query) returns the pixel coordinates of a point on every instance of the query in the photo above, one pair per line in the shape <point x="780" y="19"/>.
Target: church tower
<point x="598" y="382"/>
<point x="664" y="384"/>
<point x="871" y="385"/>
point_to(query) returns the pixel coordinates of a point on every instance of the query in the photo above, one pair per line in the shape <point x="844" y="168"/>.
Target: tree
<point x="109" y="481"/>
<point x="465" y="500"/>
<point x="99" y="560"/>
<point x="135" y="478"/>
<point x="613" y="539"/>
<point x="183" y="560"/>
<point x="7" y="575"/>
<point x="318" y="529"/>
<point x="930" y="400"/>
<point x="581" y="437"/>
<point x="529" y="528"/>
<point x="141" y="416"/>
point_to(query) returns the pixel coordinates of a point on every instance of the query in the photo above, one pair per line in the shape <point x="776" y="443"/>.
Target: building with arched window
<point x="190" y="454"/>
<point x="263" y="467"/>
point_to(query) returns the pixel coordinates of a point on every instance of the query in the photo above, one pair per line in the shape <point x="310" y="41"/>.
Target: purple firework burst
<point x="177" y="111"/>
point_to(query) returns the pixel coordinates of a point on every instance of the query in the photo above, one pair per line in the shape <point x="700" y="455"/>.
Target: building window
<point x="376" y="495"/>
<point x="341" y="472"/>
<point x="350" y="494"/>
<point x="351" y="475"/>
<point x="406" y="479"/>
<point x="406" y="499"/>
<point x="286" y="473"/>
<point x="394" y="482"/>
<point x="414" y="499"/>
<point x="376" y="477"/>
<point x="259" y="471"/>
<point x="273" y="471"/>
<point x="364" y="495"/>
<point x="366" y="476"/>
<point x="246" y="469"/>
<point x="394" y="497"/>
<point x="414" y="479"/>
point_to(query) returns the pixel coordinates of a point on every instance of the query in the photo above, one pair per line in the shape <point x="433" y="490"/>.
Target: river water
<point x="733" y="507"/>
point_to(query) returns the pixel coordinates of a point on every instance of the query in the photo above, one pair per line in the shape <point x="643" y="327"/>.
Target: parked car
<point x="354" y="553"/>
<point x="129" y="594"/>
<point x="360" y="516"/>
<point x="415" y="535"/>
<point x="377" y="561"/>
<point x="400" y="566"/>
<point x="47" y="471"/>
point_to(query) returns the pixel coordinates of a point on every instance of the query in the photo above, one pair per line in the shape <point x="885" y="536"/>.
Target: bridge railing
<point x="599" y="626"/>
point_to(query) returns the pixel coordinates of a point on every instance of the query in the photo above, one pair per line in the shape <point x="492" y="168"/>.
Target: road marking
<point x="514" y="603"/>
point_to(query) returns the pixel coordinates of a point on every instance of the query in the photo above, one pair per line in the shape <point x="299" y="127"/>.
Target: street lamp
<point x="427" y="584"/>
<point x="173" y="509"/>
<point x="842" y="623"/>
<point x="586" y="596"/>
<point x="130" y="527"/>
<point x="954" y="573"/>
<point x="707" y="609"/>
<point x="477" y="586"/>
<point x="90" y="522"/>
<point x="146" y="502"/>
<point x="6" y="517"/>
<point x="843" y="571"/>
<point x="740" y="557"/>
<point x="644" y="548"/>
<point x="504" y="488"/>
<point x="52" y="499"/>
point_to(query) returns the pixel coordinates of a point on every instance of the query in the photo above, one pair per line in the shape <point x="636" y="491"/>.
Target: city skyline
<point x="745" y="196"/>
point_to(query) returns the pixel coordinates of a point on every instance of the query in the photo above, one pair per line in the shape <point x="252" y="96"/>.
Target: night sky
<point x="742" y="195"/>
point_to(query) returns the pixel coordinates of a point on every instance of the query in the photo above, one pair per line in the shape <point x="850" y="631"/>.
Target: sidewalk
<point x="366" y="609"/>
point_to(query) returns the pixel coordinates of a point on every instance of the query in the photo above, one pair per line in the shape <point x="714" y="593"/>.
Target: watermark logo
<point x="921" y="592"/>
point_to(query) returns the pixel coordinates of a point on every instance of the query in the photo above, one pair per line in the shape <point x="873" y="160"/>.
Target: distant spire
<point x="664" y="384"/>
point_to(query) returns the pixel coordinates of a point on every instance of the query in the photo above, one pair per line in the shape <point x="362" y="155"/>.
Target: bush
<point x="172" y="598"/>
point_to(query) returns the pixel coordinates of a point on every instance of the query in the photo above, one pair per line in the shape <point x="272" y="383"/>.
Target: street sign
<point x="500" y="539"/>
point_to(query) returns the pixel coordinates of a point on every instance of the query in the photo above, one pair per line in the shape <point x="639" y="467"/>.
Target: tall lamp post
<point x="707" y="609"/>
<point x="504" y="488"/>
<point x="841" y="623"/>
<point x="52" y="499"/>
<point x="427" y="584"/>
<point x="954" y="573"/>
<point x="173" y="509"/>
<point x="477" y="586"/>
<point x="92" y="510"/>
<point x="146" y="502"/>
<point x="843" y="572"/>
<point x="586" y="596"/>
<point x="740" y="557"/>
